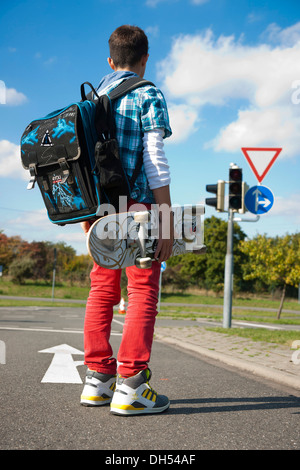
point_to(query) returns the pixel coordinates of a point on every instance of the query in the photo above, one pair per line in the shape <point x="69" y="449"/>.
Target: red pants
<point x="135" y="349"/>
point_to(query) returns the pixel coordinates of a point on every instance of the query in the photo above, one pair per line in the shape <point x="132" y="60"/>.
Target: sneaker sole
<point x="94" y="401"/>
<point x="128" y="410"/>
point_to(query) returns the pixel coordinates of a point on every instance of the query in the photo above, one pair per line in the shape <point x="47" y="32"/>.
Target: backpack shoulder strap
<point x="89" y="96"/>
<point x="104" y="122"/>
<point x="125" y="87"/>
<point x="128" y="85"/>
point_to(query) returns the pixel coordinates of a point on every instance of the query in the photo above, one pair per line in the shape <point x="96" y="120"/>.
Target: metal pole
<point x="159" y="294"/>
<point x="228" y="274"/>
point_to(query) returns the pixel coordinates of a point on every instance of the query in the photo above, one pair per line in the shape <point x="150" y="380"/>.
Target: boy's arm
<point x="158" y="175"/>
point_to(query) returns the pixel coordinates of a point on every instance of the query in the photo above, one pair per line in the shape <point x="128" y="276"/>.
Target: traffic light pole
<point x="237" y="189"/>
<point x="228" y="274"/>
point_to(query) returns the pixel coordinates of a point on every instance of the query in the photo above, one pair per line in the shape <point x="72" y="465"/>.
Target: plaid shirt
<point x="141" y="110"/>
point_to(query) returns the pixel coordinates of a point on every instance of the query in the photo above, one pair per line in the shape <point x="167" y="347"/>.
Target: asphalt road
<point x="212" y="406"/>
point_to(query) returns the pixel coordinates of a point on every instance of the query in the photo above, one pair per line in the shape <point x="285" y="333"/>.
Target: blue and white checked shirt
<point x="141" y="110"/>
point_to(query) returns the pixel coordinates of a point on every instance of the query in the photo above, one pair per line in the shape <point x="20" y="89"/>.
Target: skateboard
<point x="126" y="239"/>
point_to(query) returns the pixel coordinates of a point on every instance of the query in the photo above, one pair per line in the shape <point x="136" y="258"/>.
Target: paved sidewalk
<point x="275" y="362"/>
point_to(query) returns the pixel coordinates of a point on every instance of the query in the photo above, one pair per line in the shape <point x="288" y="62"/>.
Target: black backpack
<point x="73" y="155"/>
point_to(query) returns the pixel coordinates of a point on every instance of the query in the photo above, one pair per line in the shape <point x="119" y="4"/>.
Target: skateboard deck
<point x="126" y="239"/>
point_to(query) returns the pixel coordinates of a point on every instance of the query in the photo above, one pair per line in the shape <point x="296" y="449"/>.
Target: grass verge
<point x="282" y="337"/>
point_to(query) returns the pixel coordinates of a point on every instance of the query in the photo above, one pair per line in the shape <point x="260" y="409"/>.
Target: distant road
<point x="165" y="304"/>
<point x="43" y="299"/>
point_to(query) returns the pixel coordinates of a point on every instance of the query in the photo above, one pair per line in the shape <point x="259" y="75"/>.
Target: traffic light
<point x="245" y="188"/>
<point x="219" y="190"/>
<point x="235" y="188"/>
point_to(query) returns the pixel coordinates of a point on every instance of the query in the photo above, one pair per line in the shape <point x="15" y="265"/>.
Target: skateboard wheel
<point x="141" y="217"/>
<point x="143" y="263"/>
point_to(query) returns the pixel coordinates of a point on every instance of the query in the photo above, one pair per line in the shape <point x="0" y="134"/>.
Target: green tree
<point x="274" y="261"/>
<point x="78" y="268"/>
<point x="9" y="249"/>
<point x="208" y="270"/>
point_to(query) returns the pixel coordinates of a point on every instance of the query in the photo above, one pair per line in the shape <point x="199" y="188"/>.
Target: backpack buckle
<point x="65" y="169"/>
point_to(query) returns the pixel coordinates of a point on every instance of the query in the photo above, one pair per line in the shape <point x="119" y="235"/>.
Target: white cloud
<point x="10" y="161"/>
<point x="276" y="127"/>
<point x="2" y="92"/>
<point x="254" y="17"/>
<point x="34" y="219"/>
<point x="204" y="70"/>
<point x="152" y="31"/>
<point x="14" y="97"/>
<point x="72" y="237"/>
<point x="286" y="37"/>
<point x="218" y="70"/>
<point x="183" y="121"/>
<point x="287" y="207"/>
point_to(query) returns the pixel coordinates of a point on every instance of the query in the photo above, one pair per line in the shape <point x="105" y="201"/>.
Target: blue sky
<point x="230" y="72"/>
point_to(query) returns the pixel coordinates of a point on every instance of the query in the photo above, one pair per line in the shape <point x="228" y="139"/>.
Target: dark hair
<point x="127" y="45"/>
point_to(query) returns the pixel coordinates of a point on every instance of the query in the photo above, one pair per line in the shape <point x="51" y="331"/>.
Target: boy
<point x="142" y="122"/>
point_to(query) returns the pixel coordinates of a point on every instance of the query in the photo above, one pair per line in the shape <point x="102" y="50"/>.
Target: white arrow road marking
<point x="63" y="369"/>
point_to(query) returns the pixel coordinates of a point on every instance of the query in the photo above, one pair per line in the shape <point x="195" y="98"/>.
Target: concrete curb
<point x="256" y="369"/>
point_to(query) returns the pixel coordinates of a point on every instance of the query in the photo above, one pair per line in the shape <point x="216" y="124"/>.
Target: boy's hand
<point x="166" y="225"/>
<point x="85" y="226"/>
<point x="166" y="237"/>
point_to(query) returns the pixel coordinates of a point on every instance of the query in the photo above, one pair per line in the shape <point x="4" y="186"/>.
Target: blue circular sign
<point x="163" y="266"/>
<point x="259" y="199"/>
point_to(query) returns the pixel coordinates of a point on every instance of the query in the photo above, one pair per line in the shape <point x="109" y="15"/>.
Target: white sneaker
<point x="133" y="396"/>
<point x="98" y="389"/>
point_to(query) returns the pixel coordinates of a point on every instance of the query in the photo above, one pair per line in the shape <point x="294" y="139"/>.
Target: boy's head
<point x="127" y="45"/>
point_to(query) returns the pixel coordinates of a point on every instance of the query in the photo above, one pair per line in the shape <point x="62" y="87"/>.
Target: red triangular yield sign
<point x="261" y="160"/>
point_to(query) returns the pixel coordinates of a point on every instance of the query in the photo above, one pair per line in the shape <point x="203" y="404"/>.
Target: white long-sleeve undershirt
<point x="155" y="162"/>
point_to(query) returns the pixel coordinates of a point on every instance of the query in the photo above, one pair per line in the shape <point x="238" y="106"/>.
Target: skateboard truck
<point x="188" y="231"/>
<point x="142" y="218"/>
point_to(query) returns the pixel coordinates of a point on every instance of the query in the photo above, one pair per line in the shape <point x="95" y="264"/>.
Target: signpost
<point x="259" y="199"/>
<point x="260" y="159"/>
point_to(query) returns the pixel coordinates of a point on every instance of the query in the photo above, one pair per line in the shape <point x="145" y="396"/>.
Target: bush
<point x="21" y="269"/>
